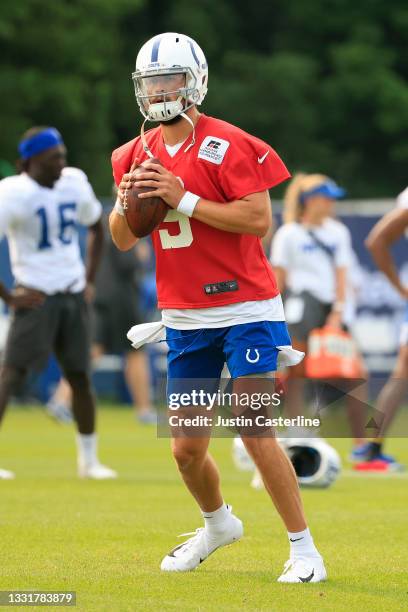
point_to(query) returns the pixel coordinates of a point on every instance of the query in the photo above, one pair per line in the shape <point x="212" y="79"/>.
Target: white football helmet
<point x="316" y="463"/>
<point x="174" y="60"/>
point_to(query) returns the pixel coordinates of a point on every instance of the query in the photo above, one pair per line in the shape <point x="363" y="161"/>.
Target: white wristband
<point x="119" y="208"/>
<point x="188" y="203"/>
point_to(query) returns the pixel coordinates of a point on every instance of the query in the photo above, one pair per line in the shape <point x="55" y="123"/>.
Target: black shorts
<point x="60" y="325"/>
<point x="112" y="321"/>
<point x="314" y="315"/>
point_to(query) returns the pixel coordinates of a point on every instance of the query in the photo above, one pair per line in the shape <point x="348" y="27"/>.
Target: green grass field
<point x="105" y="540"/>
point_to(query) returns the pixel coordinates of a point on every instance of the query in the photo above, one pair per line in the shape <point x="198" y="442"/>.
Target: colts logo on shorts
<point x="253" y="359"/>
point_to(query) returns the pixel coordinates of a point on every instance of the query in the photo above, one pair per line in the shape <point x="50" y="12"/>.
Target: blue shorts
<point x="248" y="348"/>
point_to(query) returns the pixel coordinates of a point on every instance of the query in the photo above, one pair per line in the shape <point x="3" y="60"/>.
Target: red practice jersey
<point x="198" y="266"/>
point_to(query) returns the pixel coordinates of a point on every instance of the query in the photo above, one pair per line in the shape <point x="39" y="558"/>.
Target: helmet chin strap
<point x="146" y="146"/>
<point x="192" y="143"/>
<point x="144" y="141"/>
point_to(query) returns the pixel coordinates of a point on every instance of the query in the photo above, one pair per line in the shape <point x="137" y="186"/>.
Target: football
<point x="143" y="215"/>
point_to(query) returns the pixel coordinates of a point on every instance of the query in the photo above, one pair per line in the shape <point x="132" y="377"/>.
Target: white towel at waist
<point x="146" y="332"/>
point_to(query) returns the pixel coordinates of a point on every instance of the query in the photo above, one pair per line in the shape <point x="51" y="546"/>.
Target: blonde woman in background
<point x="311" y="253"/>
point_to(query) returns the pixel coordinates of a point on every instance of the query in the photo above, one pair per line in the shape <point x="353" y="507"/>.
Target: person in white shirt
<point x="311" y="253"/>
<point x="39" y="212"/>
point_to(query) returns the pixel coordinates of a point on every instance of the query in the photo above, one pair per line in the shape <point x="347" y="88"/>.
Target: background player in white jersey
<point x="379" y="242"/>
<point x="39" y="213"/>
<point x="218" y="293"/>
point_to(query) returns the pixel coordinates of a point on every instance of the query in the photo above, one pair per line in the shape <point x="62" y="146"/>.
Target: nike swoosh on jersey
<point x="262" y="159"/>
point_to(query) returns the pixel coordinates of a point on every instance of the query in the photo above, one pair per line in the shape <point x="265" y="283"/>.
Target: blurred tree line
<point x="324" y="81"/>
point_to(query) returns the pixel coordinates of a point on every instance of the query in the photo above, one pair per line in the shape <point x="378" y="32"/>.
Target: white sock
<point x="214" y="521"/>
<point x="87" y="447"/>
<point x="302" y="545"/>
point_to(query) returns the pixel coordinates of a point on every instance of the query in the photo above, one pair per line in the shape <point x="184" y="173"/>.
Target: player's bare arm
<point x="335" y="317"/>
<point x="21" y="297"/>
<point x="387" y="231"/>
<point x="122" y="237"/>
<point x="267" y="239"/>
<point x="250" y="215"/>
<point x="280" y="275"/>
<point x="94" y="254"/>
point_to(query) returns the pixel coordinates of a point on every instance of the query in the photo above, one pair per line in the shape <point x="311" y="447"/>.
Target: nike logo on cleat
<point x="262" y="159"/>
<point x="296" y="540"/>
<point x="173" y="550"/>
<point x="308" y="579"/>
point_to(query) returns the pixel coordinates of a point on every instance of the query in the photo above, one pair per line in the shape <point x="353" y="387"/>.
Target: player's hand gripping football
<point x="127" y="180"/>
<point x="163" y="183"/>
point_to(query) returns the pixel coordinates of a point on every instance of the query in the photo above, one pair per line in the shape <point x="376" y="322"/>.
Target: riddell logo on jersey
<point x="213" y="149"/>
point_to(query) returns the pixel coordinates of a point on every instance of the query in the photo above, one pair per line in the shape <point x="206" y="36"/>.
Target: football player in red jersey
<point x="218" y="294"/>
